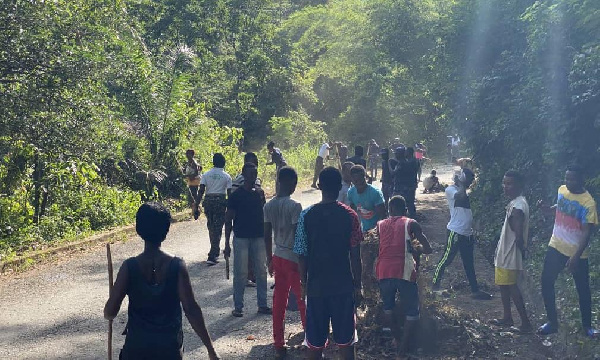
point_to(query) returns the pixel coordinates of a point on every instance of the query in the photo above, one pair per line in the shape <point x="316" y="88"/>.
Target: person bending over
<point x="401" y="241"/>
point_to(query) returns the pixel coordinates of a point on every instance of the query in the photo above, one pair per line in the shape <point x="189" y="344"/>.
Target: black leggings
<point x="456" y="243"/>
<point x="554" y="263"/>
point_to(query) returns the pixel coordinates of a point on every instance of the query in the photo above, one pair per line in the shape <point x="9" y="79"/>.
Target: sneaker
<point x="250" y="283"/>
<point x="547" y="329"/>
<point x="481" y="295"/>
<point x="591" y="332"/>
<point x="265" y="310"/>
<point x="211" y="261"/>
<point x="237" y="313"/>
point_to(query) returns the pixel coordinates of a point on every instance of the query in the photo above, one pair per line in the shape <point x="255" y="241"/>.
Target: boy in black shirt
<point x="245" y="209"/>
<point x="328" y="240"/>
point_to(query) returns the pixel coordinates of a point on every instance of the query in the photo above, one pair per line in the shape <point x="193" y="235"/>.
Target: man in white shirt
<point x="216" y="183"/>
<point x="460" y="233"/>
<point x="320" y="161"/>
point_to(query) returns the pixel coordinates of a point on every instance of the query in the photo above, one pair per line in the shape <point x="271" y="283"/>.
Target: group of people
<point x="317" y="253"/>
<point x="575" y="217"/>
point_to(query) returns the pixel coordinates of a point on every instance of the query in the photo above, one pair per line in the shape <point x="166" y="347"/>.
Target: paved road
<point x="55" y="310"/>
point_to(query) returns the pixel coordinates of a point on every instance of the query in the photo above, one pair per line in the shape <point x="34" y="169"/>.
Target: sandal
<point x="547" y="329"/>
<point x="501" y="322"/>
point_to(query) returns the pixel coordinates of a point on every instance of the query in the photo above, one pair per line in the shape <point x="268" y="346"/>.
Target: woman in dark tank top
<point x="158" y="285"/>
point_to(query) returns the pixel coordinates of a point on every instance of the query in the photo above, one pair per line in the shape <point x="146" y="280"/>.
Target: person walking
<point x="158" y="286"/>
<point x="277" y="159"/>
<point x="575" y="218"/>
<point x="404" y="172"/>
<point x="387" y="179"/>
<point x="508" y="260"/>
<point x="373" y="157"/>
<point x="216" y="184"/>
<point x="460" y="234"/>
<point x="328" y="240"/>
<point x="192" y="172"/>
<point x="281" y="216"/>
<point x="320" y="162"/>
<point x="245" y="218"/>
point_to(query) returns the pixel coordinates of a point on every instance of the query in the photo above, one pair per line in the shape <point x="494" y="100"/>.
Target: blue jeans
<point x="409" y="296"/>
<point x="242" y="249"/>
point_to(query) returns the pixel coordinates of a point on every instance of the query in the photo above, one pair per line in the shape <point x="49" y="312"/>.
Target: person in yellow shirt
<point x="576" y="217"/>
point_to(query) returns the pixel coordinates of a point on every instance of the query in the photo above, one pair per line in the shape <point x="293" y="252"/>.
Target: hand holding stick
<point x="110" y="288"/>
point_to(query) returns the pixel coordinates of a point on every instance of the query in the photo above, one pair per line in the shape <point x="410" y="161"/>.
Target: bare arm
<point x="587" y="236"/>
<point x="119" y="290"/>
<point x="302" y="269"/>
<point x="417" y="232"/>
<point x="201" y="191"/>
<point x="269" y="245"/>
<point x="356" y="263"/>
<point x="517" y="224"/>
<point x="192" y="309"/>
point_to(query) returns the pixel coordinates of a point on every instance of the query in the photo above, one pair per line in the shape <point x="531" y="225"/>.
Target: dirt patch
<point x="452" y="326"/>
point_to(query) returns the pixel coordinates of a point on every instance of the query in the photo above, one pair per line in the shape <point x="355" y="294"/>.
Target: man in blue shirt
<point x="365" y="199"/>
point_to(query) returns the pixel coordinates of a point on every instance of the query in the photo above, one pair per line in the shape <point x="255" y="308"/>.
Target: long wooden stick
<point x="110" y="289"/>
<point x="227" y="267"/>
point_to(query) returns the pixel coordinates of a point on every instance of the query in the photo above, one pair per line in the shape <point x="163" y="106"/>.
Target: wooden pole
<point x="110" y="289"/>
<point x="227" y="267"/>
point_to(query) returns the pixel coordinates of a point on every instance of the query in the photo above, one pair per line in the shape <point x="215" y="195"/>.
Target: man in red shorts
<point x="328" y="240"/>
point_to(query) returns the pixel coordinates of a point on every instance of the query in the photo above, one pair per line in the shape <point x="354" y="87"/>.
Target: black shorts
<point x="338" y="309"/>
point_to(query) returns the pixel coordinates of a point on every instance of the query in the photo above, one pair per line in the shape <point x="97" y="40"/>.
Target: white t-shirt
<point x="324" y="151"/>
<point x="508" y="255"/>
<point x="461" y="217"/>
<point x="216" y="180"/>
<point x="343" y="195"/>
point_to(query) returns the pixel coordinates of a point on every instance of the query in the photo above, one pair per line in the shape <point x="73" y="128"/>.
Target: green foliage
<point x="296" y="129"/>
